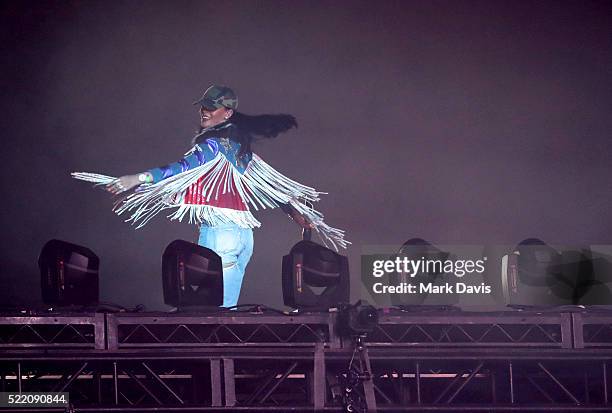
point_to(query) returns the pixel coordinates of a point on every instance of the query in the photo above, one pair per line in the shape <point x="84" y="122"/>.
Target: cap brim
<point x="208" y="104"/>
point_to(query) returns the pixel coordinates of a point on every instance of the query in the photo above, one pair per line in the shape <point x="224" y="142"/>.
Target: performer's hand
<point x="122" y="184"/>
<point x="296" y="216"/>
<point x="301" y="220"/>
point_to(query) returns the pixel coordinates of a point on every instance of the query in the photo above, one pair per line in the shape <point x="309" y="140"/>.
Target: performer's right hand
<point x="122" y="184"/>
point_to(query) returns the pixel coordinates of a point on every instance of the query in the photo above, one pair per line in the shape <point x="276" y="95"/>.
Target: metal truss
<point x="155" y="330"/>
<point x="464" y="362"/>
<point x="53" y="331"/>
<point x="311" y="379"/>
<point x="518" y="381"/>
<point x="251" y="379"/>
<point x="592" y="329"/>
<point x="163" y="330"/>
<point x="474" y="330"/>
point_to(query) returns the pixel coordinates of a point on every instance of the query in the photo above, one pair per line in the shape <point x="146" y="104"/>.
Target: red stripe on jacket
<point x="196" y="193"/>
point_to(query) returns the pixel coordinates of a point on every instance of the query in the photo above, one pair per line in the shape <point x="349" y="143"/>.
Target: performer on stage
<point x="218" y="182"/>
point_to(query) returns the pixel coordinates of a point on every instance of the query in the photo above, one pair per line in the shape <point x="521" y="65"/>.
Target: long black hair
<point x="246" y="129"/>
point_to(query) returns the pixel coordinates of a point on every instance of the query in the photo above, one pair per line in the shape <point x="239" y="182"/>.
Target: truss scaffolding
<point x="412" y="361"/>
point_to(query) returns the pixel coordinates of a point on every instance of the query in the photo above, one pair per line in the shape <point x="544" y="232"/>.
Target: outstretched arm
<point x="197" y="156"/>
<point x="127" y="182"/>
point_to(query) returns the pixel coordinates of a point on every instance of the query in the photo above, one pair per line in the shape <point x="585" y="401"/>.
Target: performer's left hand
<point x="301" y="220"/>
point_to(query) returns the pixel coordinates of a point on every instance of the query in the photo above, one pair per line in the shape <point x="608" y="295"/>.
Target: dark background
<point x="455" y="121"/>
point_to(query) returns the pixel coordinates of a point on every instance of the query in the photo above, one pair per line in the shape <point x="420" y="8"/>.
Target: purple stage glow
<point x="457" y="122"/>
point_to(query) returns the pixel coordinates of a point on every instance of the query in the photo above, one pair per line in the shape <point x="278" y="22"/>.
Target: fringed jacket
<point x="214" y="184"/>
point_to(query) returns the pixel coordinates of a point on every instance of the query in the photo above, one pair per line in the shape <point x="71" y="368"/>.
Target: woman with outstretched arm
<point x="217" y="184"/>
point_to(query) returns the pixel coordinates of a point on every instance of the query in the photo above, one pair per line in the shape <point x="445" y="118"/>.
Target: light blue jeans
<point x="235" y="247"/>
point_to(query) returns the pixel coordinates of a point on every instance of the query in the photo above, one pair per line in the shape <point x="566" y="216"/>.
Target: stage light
<point x="357" y="319"/>
<point x="417" y="249"/>
<point x="536" y="274"/>
<point x="69" y="274"/>
<point x="314" y="277"/>
<point x="597" y="289"/>
<point x="528" y="274"/>
<point x="192" y="276"/>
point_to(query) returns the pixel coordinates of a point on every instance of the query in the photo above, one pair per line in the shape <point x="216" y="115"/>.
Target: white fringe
<point x="213" y="216"/>
<point x="272" y="188"/>
<point x="261" y="186"/>
<point x="95" y="178"/>
<point x="169" y="193"/>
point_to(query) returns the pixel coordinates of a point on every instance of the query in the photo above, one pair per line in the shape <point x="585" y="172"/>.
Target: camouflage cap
<point x="216" y="97"/>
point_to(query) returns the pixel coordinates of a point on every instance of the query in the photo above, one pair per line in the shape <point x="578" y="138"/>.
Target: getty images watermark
<point x="406" y="271"/>
<point x="531" y="273"/>
<point x="421" y="273"/>
<point x="405" y="267"/>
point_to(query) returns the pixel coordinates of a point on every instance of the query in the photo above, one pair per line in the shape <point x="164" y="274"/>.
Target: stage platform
<point x="242" y="361"/>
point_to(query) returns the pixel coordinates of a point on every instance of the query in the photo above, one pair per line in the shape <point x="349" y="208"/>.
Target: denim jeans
<point x="235" y="246"/>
